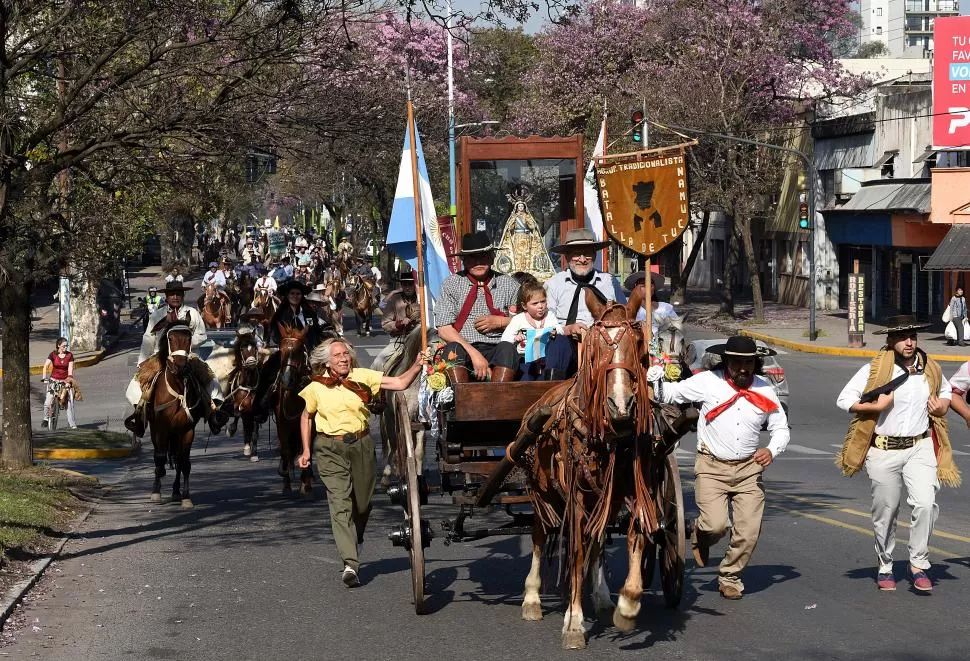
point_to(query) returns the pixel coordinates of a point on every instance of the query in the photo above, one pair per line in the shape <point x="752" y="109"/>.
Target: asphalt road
<point x="250" y="574"/>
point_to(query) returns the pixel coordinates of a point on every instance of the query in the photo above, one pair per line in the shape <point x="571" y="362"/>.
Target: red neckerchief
<point x="759" y="400"/>
<point x="334" y="381"/>
<point x="466" y="307"/>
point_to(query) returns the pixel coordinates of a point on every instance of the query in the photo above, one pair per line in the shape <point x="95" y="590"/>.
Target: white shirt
<point x="736" y="432"/>
<point x="170" y="278"/>
<point x="266" y="282"/>
<point x="377" y="273"/>
<point x="907" y="415"/>
<point x="663" y="314"/>
<point x="523" y="322"/>
<point x="960" y="381"/>
<point x="216" y="277"/>
<point x="149" y="343"/>
<point x="560" y="289"/>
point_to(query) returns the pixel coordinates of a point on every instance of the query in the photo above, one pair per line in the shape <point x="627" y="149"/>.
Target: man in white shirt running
<point x="735" y="404"/>
<point x="900" y="436"/>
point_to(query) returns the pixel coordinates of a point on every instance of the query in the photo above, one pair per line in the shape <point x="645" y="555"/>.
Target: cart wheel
<point x="413" y="503"/>
<point x="673" y="543"/>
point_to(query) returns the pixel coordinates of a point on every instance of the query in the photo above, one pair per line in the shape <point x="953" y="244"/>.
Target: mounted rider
<point x="345" y="249"/>
<point x="565" y="293"/>
<point x="251" y="322"/>
<point x="472" y="312"/>
<point x="173" y="310"/>
<point x="401" y="314"/>
<point x="662" y="314"/>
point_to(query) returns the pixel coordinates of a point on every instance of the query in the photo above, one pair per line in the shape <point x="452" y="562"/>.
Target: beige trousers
<point x="718" y="485"/>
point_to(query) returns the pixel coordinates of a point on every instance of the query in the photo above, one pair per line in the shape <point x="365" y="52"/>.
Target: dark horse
<point x="177" y="403"/>
<point x="294" y="375"/>
<point x="243" y="381"/>
<point x="363" y="301"/>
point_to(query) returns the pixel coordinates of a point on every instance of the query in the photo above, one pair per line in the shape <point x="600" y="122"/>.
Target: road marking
<point x="865" y="515"/>
<point x="804" y="449"/>
<point x="859" y="529"/>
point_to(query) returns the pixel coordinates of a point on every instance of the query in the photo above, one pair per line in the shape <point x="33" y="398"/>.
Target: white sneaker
<point x="350" y="578"/>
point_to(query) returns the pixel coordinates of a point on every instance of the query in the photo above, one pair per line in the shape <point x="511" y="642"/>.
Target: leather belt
<point x="349" y="437"/>
<point x="898" y="442"/>
<point x="731" y="462"/>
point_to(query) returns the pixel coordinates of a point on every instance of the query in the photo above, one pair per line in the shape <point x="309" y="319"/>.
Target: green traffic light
<point x="637" y="137"/>
<point x="803" y="223"/>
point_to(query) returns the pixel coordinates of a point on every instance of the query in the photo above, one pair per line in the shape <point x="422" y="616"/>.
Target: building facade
<point x="905" y="26"/>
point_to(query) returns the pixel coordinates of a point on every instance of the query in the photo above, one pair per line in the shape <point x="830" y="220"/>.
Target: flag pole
<point x="418" y="225"/>
<point x="605" y="258"/>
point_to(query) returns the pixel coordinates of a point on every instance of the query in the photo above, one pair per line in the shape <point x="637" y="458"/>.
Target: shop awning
<point x="905" y="195"/>
<point x="887" y="157"/>
<point x="953" y="253"/>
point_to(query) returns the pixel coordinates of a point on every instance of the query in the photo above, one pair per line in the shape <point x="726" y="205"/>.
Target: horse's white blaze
<point x="602" y="601"/>
<point x="619" y="380"/>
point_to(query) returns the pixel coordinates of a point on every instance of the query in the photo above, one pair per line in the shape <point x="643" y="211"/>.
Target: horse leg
<point x="602" y="601"/>
<point x="248" y="437"/>
<point x="156" y="496"/>
<point x="628" y="604"/>
<point x="531" y="604"/>
<point x="177" y="483"/>
<point x="573" y="632"/>
<point x="185" y="465"/>
<point x="286" y="461"/>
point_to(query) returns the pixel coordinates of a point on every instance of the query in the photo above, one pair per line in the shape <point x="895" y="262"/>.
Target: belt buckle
<point x="350" y="438"/>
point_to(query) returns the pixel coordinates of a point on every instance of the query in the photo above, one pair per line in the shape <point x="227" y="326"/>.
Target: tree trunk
<point x="18" y="451"/>
<point x="177" y="238"/>
<point x="84" y="311"/>
<point x="753" y="273"/>
<point x="730" y="268"/>
<point x="679" y="291"/>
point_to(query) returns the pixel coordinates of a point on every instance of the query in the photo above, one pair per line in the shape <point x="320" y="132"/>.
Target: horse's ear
<point x="634" y="303"/>
<point x="594" y="306"/>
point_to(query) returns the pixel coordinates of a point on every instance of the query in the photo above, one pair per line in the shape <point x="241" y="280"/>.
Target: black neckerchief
<point x="582" y="282"/>
<point x="918" y="366"/>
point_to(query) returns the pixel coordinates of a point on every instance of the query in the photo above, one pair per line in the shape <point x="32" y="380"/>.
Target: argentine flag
<point x="591" y="198"/>
<point x="401" y="231"/>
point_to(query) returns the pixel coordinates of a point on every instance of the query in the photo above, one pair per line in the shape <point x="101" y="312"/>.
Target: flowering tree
<point x="739" y="67"/>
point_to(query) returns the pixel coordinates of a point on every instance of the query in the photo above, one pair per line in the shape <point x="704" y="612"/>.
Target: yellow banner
<point x="644" y="200"/>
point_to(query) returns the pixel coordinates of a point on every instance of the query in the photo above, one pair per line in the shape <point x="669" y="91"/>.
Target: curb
<point x="87" y="361"/>
<point x="88" y="453"/>
<point x="16" y="593"/>
<point x="836" y="351"/>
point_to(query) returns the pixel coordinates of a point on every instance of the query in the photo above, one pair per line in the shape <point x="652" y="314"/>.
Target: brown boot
<point x="502" y="374"/>
<point x="457" y="374"/>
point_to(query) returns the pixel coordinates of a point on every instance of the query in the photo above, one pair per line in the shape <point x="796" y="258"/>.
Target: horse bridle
<point x="600" y="327"/>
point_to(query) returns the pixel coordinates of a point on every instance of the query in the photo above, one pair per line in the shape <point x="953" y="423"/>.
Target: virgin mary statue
<point x="521" y="247"/>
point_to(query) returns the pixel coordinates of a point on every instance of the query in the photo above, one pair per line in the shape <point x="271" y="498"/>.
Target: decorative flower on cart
<point x="662" y="364"/>
<point x="434" y="373"/>
<point x="437" y="381"/>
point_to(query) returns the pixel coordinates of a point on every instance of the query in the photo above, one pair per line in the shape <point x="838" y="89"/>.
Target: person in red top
<point x="60" y="362"/>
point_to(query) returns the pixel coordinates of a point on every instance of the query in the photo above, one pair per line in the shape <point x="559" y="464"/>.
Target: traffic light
<point x="803" y="216"/>
<point x="636" y="126"/>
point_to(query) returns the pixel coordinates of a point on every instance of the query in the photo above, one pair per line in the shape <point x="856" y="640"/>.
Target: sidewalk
<point x="45" y="330"/>
<point x="787" y="326"/>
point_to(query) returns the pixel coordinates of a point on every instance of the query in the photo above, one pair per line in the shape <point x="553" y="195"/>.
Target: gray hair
<point x="320" y="357"/>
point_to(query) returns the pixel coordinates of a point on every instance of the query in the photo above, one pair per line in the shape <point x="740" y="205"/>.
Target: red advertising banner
<point x="449" y="240"/>
<point x="951" y="82"/>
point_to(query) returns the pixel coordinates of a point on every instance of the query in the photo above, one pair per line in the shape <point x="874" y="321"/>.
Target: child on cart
<point x="531" y="330"/>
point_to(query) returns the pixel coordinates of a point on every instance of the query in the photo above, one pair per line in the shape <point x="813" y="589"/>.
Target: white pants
<point x="70" y="407"/>
<point x="133" y="393"/>
<point x="888" y="471"/>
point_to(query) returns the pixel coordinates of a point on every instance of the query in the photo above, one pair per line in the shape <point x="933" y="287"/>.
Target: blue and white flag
<point x="401" y="234"/>
<point x="591" y="198"/>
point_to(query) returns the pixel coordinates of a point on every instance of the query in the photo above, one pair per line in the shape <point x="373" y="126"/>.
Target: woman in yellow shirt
<point x="336" y="402"/>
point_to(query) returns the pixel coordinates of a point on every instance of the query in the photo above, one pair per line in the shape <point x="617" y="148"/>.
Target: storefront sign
<point x="644" y="200"/>
<point x="951" y="82"/>
<point x="857" y="309"/>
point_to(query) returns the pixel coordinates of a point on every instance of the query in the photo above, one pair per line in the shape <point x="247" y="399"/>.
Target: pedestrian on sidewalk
<point x="958" y="313"/>
<point x="337" y="406"/>
<point x="735" y="404"/>
<point x="60" y="364"/>
<point x="899" y="434"/>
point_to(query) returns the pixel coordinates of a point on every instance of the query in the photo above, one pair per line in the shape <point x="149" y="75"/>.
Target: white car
<point x="698" y="359"/>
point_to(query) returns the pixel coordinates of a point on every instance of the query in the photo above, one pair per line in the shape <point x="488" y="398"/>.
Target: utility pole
<point x="453" y="206"/>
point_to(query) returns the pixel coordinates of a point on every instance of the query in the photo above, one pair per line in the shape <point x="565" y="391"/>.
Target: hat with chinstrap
<point x="475" y="243"/>
<point x="902" y="323"/>
<point x="740" y="346"/>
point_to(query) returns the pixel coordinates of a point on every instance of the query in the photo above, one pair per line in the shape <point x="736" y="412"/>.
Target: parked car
<point x="700" y="359"/>
<point x="370" y="249"/>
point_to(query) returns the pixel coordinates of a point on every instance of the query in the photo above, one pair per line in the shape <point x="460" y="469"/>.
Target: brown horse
<point x="264" y="299"/>
<point x="177" y="402"/>
<point x="293" y="376"/>
<point x="243" y="381"/>
<point x="334" y="294"/>
<point x="363" y="301"/>
<point x="592" y="457"/>
<point x="215" y="307"/>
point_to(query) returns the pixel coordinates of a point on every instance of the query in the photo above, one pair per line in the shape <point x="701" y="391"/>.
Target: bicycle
<point x="56" y="388"/>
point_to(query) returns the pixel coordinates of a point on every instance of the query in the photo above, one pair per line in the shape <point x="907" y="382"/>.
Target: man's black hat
<point x="740" y="346"/>
<point x="475" y="243"/>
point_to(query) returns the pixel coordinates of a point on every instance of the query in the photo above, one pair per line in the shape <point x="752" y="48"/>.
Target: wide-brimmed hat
<point x="475" y="243"/>
<point x="253" y="312"/>
<point x="175" y="287"/>
<point x="315" y="296"/>
<point x="901" y="323"/>
<point x="284" y="289"/>
<point x="405" y="276"/>
<point x="740" y="346"/>
<point x="656" y="280"/>
<point x="213" y="264"/>
<point x="581" y="238"/>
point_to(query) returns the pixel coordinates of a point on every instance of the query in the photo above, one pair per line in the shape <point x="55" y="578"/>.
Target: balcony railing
<point x="932" y="7"/>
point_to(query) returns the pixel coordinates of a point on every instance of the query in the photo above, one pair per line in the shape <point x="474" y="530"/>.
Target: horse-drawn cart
<point x="476" y="465"/>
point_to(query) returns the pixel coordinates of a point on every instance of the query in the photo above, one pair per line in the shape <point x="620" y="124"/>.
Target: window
<point x="805" y="269"/>
<point x="785" y="257"/>
<point x="878" y="29"/>
<point x="878" y="11"/>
